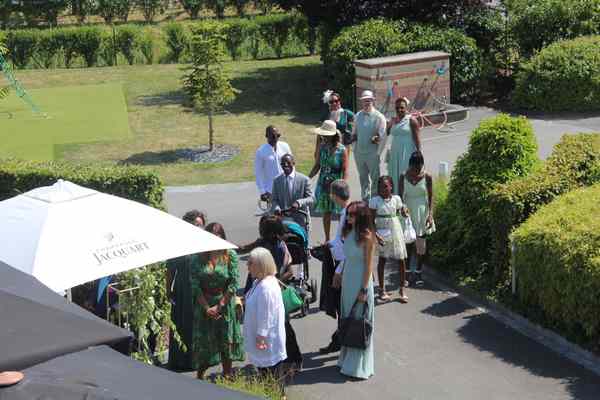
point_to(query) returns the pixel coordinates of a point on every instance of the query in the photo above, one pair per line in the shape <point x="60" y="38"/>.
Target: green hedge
<point x="564" y="76"/>
<point x="379" y="38"/>
<point x="537" y="23"/>
<point x="574" y="163"/>
<point x="18" y="176"/>
<point x="557" y="260"/>
<point x="268" y="36"/>
<point x="500" y="149"/>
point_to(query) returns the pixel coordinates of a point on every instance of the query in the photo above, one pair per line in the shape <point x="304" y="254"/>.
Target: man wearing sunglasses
<point x="267" y="163"/>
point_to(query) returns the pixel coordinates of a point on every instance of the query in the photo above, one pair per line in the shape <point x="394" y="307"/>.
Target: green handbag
<point x="291" y="300"/>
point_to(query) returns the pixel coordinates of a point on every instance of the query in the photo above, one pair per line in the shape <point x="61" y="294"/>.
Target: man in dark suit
<point x="291" y="190"/>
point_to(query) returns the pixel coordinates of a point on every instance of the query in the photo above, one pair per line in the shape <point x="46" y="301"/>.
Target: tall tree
<point x="48" y="10"/>
<point x="205" y="82"/>
<point x="192" y="7"/>
<point x="152" y="8"/>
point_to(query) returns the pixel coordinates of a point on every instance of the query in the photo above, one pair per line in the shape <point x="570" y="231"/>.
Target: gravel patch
<point x="220" y="153"/>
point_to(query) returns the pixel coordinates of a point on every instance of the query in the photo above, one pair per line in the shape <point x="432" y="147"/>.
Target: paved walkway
<point x="436" y="346"/>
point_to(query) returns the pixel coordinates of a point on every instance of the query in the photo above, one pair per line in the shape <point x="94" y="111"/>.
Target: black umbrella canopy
<point x="101" y="373"/>
<point x="37" y="324"/>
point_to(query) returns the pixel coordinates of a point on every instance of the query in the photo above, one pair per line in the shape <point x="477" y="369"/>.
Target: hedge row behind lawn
<point x="557" y="260"/>
<point x="574" y="162"/>
<point x="18" y="176"/>
<point x="268" y="36"/>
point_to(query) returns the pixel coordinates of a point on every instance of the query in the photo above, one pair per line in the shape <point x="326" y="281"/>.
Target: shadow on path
<point x="489" y="335"/>
<point x="447" y="308"/>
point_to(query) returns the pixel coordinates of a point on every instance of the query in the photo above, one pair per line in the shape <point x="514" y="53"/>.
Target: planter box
<point x="420" y="77"/>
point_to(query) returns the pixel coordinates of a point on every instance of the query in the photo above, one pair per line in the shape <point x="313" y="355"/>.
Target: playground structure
<point x="423" y="78"/>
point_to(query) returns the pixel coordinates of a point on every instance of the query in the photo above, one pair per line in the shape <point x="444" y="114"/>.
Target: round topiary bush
<point x="564" y="76"/>
<point x="500" y="149"/>
<point x="557" y="260"/>
<point x="372" y="38"/>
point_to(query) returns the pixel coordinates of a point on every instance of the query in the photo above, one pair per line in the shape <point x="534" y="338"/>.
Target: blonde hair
<point x="263" y="262"/>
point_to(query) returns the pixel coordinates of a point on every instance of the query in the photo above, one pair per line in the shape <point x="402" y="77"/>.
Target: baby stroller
<point x="296" y="240"/>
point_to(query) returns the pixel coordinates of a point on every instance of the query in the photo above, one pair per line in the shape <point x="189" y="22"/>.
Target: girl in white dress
<point x="386" y="209"/>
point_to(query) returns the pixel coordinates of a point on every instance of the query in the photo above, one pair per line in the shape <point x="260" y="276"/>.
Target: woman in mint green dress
<point x="416" y="189"/>
<point x="357" y="285"/>
<point x="217" y="335"/>
<point x="406" y="139"/>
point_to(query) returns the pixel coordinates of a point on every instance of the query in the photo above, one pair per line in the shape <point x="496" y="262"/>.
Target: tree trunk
<point x="210" y="130"/>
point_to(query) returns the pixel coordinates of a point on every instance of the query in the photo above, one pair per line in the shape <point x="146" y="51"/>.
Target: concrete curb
<point x="546" y="337"/>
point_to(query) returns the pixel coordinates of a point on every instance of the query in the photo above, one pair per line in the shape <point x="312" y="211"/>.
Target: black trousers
<point x="291" y="345"/>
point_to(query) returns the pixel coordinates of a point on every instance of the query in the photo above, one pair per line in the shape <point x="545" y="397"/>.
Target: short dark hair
<point x="341" y="189"/>
<point x="191" y="216"/>
<point x="290" y="156"/>
<point x="271" y="129"/>
<point x="271" y="228"/>
<point x="416" y="158"/>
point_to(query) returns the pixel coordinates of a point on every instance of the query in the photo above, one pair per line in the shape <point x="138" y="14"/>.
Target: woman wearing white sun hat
<point x="331" y="164"/>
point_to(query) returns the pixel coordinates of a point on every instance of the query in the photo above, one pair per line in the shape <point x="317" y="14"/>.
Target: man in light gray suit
<point x="291" y="190"/>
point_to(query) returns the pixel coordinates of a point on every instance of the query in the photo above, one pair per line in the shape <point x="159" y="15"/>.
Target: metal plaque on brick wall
<point x="424" y="78"/>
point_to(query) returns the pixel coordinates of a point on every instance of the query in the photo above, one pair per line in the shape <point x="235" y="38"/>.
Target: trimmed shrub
<point x="373" y="38"/>
<point x="574" y="163"/>
<point x="500" y="149"/>
<point x="89" y="39"/>
<point x="21" y="46"/>
<point x="147" y="46"/>
<point x="465" y="57"/>
<point x="557" y="260"/>
<point x="47" y="48"/>
<point x="276" y="30"/>
<point x="67" y="37"/>
<point x="178" y="41"/>
<point x="128" y="42"/>
<point x="108" y="50"/>
<point x="538" y="23"/>
<point x="236" y="33"/>
<point x="564" y="76"/>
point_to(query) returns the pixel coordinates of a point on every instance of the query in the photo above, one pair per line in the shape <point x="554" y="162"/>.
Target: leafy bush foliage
<point x="128" y="42"/>
<point x="276" y="29"/>
<point x="21" y="45"/>
<point x="177" y="39"/>
<point x="500" y="149"/>
<point x="573" y="163"/>
<point x="563" y="76"/>
<point x="373" y="38"/>
<point x="538" y="23"/>
<point x="88" y="40"/>
<point x="147" y="46"/>
<point x="379" y="38"/>
<point x="236" y="34"/>
<point x="557" y="260"/>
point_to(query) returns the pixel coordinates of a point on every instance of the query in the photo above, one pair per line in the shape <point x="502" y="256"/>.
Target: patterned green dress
<point x="211" y="338"/>
<point x="332" y="168"/>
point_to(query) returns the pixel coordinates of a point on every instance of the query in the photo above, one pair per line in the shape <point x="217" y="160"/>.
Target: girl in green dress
<point x="217" y="335"/>
<point x="331" y="165"/>
<point x="416" y="189"/>
<point x="406" y="139"/>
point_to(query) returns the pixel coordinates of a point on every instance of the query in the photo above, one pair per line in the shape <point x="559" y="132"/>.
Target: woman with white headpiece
<point x="331" y="164"/>
<point x="406" y="139"/>
<point x="343" y="118"/>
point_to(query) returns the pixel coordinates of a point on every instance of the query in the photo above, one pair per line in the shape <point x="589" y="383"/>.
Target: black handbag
<point x="354" y="331"/>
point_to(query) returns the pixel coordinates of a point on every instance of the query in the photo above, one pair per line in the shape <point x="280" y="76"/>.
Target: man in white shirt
<point x="267" y="162"/>
<point x="369" y="134"/>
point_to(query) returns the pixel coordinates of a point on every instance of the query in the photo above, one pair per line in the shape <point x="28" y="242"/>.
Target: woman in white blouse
<point x="264" y="317"/>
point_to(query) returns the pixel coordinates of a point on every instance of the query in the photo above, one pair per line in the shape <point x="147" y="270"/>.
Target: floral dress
<point x="213" y="338"/>
<point x="387" y="222"/>
<point x="332" y="168"/>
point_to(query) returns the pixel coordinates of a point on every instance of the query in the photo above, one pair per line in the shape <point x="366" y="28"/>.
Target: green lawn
<point x="72" y="114"/>
<point x="285" y="93"/>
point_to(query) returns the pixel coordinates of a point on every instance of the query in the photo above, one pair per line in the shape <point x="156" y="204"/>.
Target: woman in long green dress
<point x="331" y="165"/>
<point x="217" y="335"/>
<point x="416" y="189"/>
<point x="357" y="285"/>
<point x="181" y="312"/>
<point x="406" y="139"/>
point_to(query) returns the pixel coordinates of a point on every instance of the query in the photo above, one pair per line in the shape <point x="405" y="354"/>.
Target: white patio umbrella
<point x="66" y="235"/>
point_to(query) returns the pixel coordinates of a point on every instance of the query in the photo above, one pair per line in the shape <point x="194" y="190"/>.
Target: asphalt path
<point x="436" y="346"/>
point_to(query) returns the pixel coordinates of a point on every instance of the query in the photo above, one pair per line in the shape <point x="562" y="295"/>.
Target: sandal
<point x="383" y="296"/>
<point x="403" y="299"/>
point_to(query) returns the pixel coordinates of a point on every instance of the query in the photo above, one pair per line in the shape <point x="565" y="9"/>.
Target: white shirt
<point x="265" y="316"/>
<point x="337" y="244"/>
<point x="290" y="182"/>
<point x="267" y="165"/>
